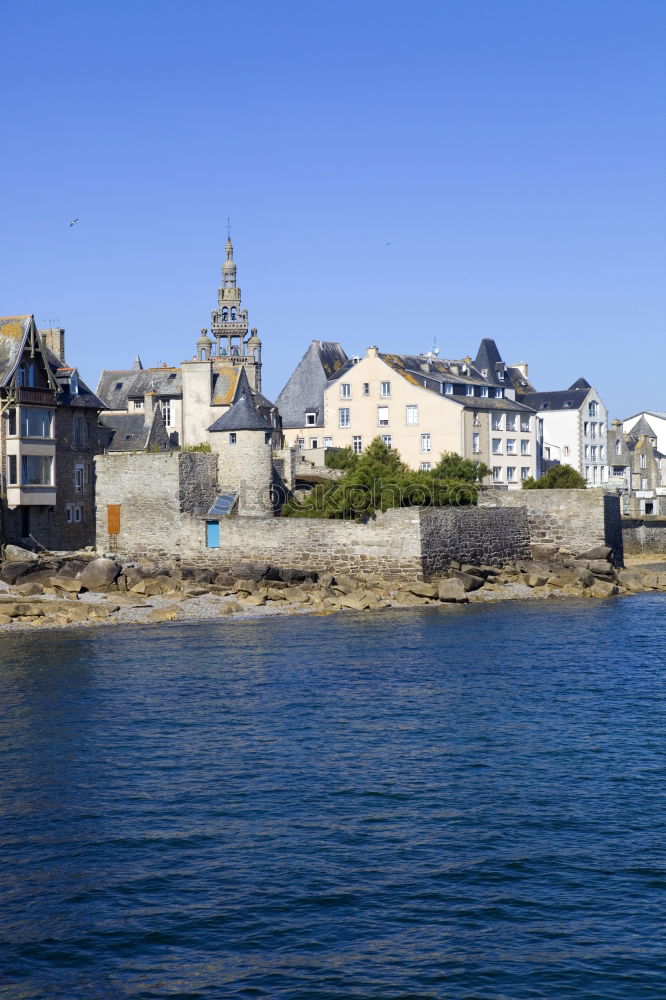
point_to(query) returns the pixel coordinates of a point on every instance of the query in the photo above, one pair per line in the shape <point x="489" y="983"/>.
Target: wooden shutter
<point x="113" y="518"/>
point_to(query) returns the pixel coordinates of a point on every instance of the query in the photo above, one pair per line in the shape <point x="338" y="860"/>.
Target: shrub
<point x="559" y="477"/>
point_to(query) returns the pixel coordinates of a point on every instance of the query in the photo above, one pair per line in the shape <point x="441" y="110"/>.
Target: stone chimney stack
<point x="150" y="401"/>
<point x="54" y="339"/>
<point x="522" y="368"/>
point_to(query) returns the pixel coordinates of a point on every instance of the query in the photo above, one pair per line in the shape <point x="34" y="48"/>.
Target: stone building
<point x="48" y="439"/>
<point x="224" y="367"/>
<point x="637" y="468"/>
<point x="243" y="439"/>
<point x="572" y="429"/>
<point x="421" y="405"/>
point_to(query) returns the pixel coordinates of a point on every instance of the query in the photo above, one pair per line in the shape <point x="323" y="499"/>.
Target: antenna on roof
<point x="228" y="228"/>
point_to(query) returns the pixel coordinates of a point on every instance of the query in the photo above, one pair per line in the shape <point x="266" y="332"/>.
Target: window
<point x="476" y="446"/>
<point x="619" y="470"/>
<point x="524" y="472"/>
<point x="484" y="373"/>
<point x="592" y="408"/>
<point x="593" y="429"/>
<point x="601" y="453"/>
<point x="510" y="473"/>
<point x="233" y="439"/>
<point x="268" y="438"/>
<point x="357" y="444"/>
<point x="593" y="452"/>
<point x="345" y="390"/>
<point x="643" y="462"/>
<point x="74" y="513"/>
<point x="37" y="470"/>
<point x="644" y="484"/>
<point x="412" y="415"/>
<point x="167" y="412"/>
<point x="78" y="479"/>
<point x="524" y="447"/>
<point x="602" y="428"/>
<point x="500" y="375"/>
<point x="79" y="431"/>
<point x="484" y="390"/>
<point x="138" y="404"/>
<point x="382" y="416"/>
<point x="618" y="447"/>
<point x="511" y="420"/>
<point x="586" y="451"/>
<point x="35" y="422"/>
<point x="11" y="469"/>
<point x="299" y="441"/>
<point x="310" y="418"/>
<point x="566" y="449"/>
<point x="386" y="439"/>
<point x="469" y="390"/>
<point x="448" y="389"/>
<point x="511" y="446"/>
<point x="366" y="388"/>
<point x="496" y="421"/>
<point x="497" y="446"/>
<point x="328" y="442"/>
<point x="26" y="373"/>
<point x="11" y="421"/>
<point x="314" y="442"/>
<point x="497" y="473"/>
<point x="499" y="393"/>
<point x="384" y="389"/>
<point x="425" y="466"/>
<point x="425" y="442"/>
<point x="343" y="417"/>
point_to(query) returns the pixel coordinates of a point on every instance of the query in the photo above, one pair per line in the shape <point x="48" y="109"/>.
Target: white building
<point x="572" y="426"/>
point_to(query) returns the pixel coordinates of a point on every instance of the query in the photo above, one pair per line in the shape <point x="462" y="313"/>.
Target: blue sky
<point x="512" y="154"/>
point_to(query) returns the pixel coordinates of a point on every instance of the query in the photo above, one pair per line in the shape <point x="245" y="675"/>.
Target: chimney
<point x="372" y="352"/>
<point x="149" y="403"/>
<point x="54" y="339"/>
<point x="522" y="368"/>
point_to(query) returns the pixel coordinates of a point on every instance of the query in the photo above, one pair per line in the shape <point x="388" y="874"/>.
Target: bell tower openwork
<point x="229" y="326"/>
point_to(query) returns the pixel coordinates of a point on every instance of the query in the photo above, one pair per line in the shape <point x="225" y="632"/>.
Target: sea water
<point x="436" y="803"/>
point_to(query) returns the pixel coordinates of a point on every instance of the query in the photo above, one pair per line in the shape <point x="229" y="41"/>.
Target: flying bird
<point x="389" y="244"/>
<point x="73" y="223"/>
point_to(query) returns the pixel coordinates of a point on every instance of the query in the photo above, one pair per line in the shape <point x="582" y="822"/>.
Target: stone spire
<point x="229" y="325"/>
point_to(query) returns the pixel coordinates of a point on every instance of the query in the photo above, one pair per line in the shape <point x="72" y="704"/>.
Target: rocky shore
<point x="81" y="589"/>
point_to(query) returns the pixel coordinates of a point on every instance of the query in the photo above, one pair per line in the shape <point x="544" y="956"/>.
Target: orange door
<point x="113" y="518"/>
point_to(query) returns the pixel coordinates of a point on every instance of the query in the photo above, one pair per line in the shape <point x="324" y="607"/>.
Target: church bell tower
<point x="229" y="326"/>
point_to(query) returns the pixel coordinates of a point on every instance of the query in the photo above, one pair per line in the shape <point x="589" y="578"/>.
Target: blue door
<point x="213" y="534"/>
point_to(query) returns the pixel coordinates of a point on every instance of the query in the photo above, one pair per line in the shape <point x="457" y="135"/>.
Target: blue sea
<point x="463" y="803"/>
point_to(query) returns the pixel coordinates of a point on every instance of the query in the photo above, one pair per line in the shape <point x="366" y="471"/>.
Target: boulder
<point x="5" y="620"/>
<point x="603" y="589"/>
<point x="66" y="583"/>
<point x="599" y="567"/>
<point x="452" y="590"/>
<point x="15" y="553"/>
<point x="354" y="602"/>
<point x="249" y="570"/>
<point x="584" y="576"/>
<point x="230" y="608"/>
<point x="420" y="589"/>
<point x="11" y="572"/>
<point x="631" y="579"/>
<point x="544" y="551"/>
<point x="29" y="589"/>
<point x="536" y="579"/>
<point x="291" y="575"/>
<point x="598" y="552"/>
<point x="159" y="615"/>
<point x="253" y="601"/>
<point x="470" y="581"/>
<point x="103" y="610"/>
<point x="72" y="567"/>
<point x="99" y="574"/>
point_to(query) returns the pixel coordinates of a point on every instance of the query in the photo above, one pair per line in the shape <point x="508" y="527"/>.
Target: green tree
<point x="340" y="458"/>
<point x="559" y="477"/>
<point x="377" y="480"/>
<point x="462" y="470"/>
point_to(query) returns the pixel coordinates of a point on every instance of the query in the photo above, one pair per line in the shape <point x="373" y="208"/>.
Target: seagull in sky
<point x="73" y="223"/>
<point x="389" y="244"/>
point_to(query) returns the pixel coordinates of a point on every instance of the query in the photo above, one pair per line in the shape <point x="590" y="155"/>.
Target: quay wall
<point x="644" y="535"/>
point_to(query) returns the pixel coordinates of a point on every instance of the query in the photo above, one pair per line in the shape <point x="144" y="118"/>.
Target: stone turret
<point x="243" y="439"/>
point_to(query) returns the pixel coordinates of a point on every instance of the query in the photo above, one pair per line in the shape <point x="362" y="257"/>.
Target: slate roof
<point x="128" y="432"/>
<point x="85" y="398"/>
<point x="225" y="383"/>
<point x="304" y="391"/>
<point x="242" y="416"/>
<point x="562" y="399"/>
<point x="116" y="386"/>
<point x="642" y="427"/>
<point x="13" y="333"/>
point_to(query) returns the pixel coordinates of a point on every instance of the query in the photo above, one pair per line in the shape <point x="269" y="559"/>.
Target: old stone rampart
<point x="644" y="535"/>
<point x="574" y="520"/>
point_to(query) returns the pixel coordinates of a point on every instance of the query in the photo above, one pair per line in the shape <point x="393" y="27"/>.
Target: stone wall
<point x="574" y="520"/>
<point x="475" y="535"/>
<point x="644" y="535"/>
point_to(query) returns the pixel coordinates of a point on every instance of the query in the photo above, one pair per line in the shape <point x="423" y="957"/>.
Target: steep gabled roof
<point x="581" y="383"/>
<point x="642" y="428"/>
<point x="564" y="399"/>
<point x="242" y="416"/>
<point x="304" y="391"/>
<point x="14" y="332"/>
<point x="128" y="432"/>
<point x="116" y="386"/>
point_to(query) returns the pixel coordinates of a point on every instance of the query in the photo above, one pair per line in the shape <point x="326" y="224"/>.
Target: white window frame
<point x="412" y="411"/>
<point x="384" y="390"/>
<point x="357" y="444"/>
<point x="345" y="390"/>
<point x="382" y="421"/>
<point x="344" y="416"/>
<point x="425" y="443"/>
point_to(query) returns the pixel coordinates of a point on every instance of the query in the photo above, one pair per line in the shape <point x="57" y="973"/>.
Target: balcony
<point x="35" y="397"/>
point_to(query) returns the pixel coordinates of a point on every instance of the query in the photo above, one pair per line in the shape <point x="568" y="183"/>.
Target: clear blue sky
<point x="511" y="152"/>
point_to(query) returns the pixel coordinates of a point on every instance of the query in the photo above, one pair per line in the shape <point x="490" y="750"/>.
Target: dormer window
<point x="484" y="390"/>
<point x="311" y="418"/>
<point x="567" y="404"/>
<point x="448" y="388"/>
<point x="469" y="390"/>
<point x="484" y="373"/>
<point x="544" y="406"/>
<point x="500" y="375"/>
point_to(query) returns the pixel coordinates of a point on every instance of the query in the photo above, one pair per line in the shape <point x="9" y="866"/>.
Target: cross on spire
<point x="228" y="228"/>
